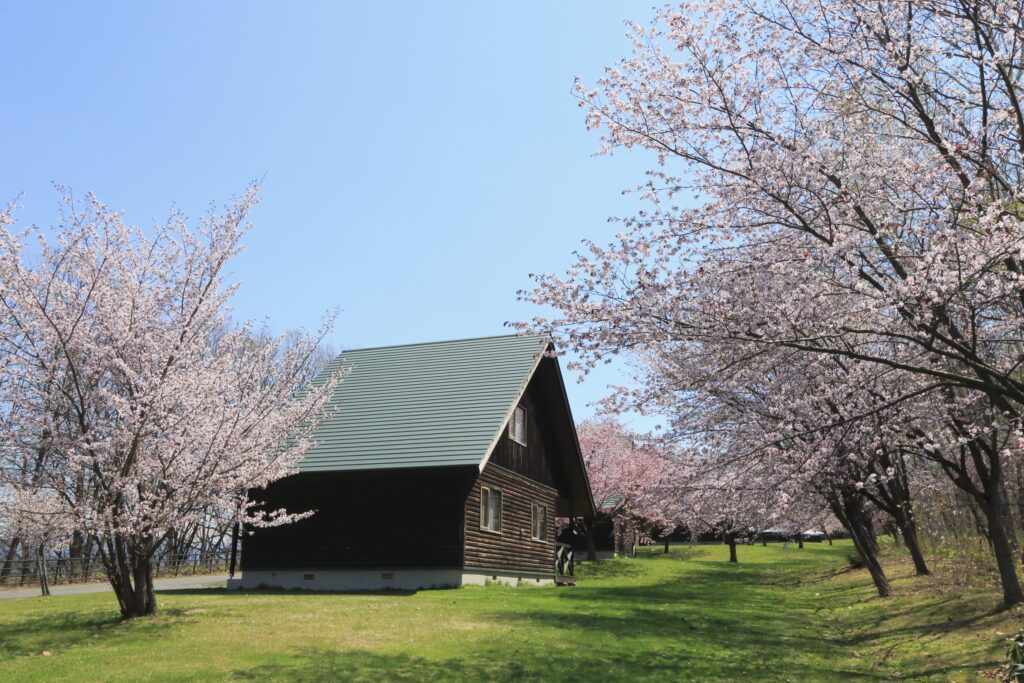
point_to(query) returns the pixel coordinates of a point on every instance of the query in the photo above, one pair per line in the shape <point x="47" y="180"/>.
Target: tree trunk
<point x="77" y="552"/>
<point x="731" y="540"/>
<point x="12" y="555"/>
<point x="892" y="495"/>
<point x="920" y="566"/>
<point x="131" y="576"/>
<point x="800" y="541"/>
<point x="1003" y="548"/>
<point x="87" y="560"/>
<point x="868" y="532"/>
<point x="75" y="549"/>
<point x="144" y="594"/>
<point x="848" y="508"/>
<point x="591" y="548"/>
<point x="867" y="553"/>
<point x="44" y="580"/>
<point x="666" y="546"/>
<point x="908" y="529"/>
<point x="135" y="593"/>
<point x="998" y="521"/>
<point x="986" y="459"/>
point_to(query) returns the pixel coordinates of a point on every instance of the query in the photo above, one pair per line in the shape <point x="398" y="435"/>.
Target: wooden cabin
<point x="605" y="539"/>
<point x="445" y="464"/>
<point x="611" y="540"/>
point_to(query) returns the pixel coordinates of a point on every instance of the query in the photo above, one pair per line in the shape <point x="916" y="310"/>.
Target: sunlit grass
<point x="781" y="614"/>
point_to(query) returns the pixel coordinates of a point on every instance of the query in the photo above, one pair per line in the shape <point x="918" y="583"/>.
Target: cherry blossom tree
<point x="784" y="438"/>
<point x="37" y="518"/>
<point x="135" y="406"/>
<point x="856" y="180"/>
<point x="635" y="485"/>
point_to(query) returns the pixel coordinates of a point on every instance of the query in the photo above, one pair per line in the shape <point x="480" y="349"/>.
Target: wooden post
<point x="234" y="550"/>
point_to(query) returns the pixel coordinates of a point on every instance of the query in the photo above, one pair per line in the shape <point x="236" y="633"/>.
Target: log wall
<point x="537" y="459"/>
<point x="513" y="547"/>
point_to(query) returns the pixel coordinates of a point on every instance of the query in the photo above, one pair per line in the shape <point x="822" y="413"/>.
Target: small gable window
<point x="490" y="509"/>
<point x="517" y="425"/>
<point x="540" y="522"/>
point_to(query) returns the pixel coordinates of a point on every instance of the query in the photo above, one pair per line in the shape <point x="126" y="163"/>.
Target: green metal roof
<point x="438" y="404"/>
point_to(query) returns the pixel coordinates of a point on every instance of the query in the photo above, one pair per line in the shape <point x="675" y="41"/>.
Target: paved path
<point x="181" y="582"/>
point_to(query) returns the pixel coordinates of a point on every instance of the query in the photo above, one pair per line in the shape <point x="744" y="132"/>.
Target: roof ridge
<point x="444" y="341"/>
<point x="402" y="406"/>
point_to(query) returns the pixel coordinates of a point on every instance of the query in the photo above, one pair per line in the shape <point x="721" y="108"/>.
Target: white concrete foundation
<point x="376" y="579"/>
<point x="472" y="579"/>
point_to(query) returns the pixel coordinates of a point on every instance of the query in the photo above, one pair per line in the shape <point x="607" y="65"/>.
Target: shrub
<point x="1015" y="653"/>
<point x="855" y="561"/>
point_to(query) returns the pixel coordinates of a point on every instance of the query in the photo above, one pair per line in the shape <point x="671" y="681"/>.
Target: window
<point x="540" y="522"/>
<point x="490" y="509"/>
<point x="517" y="425"/>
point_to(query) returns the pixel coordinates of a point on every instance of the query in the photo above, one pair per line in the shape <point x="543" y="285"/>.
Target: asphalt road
<point x="209" y="581"/>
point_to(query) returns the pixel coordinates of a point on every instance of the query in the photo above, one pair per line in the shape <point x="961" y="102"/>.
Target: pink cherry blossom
<point x="826" y="284"/>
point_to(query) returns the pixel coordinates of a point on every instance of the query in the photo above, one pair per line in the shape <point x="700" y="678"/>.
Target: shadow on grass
<point x="744" y="622"/>
<point x="484" y="664"/>
<point x="940" y="616"/>
<point x="608" y="569"/>
<point x="699" y="620"/>
<point x="719" y="626"/>
<point x="57" y="632"/>
<point x="677" y="552"/>
<point x="289" y="592"/>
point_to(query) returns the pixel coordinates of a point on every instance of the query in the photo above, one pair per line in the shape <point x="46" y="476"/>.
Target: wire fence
<point x="21" y="573"/>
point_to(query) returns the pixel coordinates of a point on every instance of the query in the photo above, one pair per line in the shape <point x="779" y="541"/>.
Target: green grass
<point x="798" y="615"/>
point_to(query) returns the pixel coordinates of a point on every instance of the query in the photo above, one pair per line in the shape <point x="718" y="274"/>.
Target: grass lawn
<point x="797" y="615"/>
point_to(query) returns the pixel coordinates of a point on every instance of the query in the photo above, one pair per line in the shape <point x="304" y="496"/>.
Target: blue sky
<point x="419" y="160"/>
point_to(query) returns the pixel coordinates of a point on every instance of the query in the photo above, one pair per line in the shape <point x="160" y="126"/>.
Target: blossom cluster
<point x="826" y="290"/>
<point x="132" y="405"/>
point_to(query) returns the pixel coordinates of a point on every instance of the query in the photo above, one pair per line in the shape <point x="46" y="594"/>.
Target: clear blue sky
<point x="420" y="159"/>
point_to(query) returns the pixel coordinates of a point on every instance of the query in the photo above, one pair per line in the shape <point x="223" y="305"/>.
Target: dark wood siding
<point x="537" y="460"/>
<point x="391" y="518"/>
<point x="514" y="548"/>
